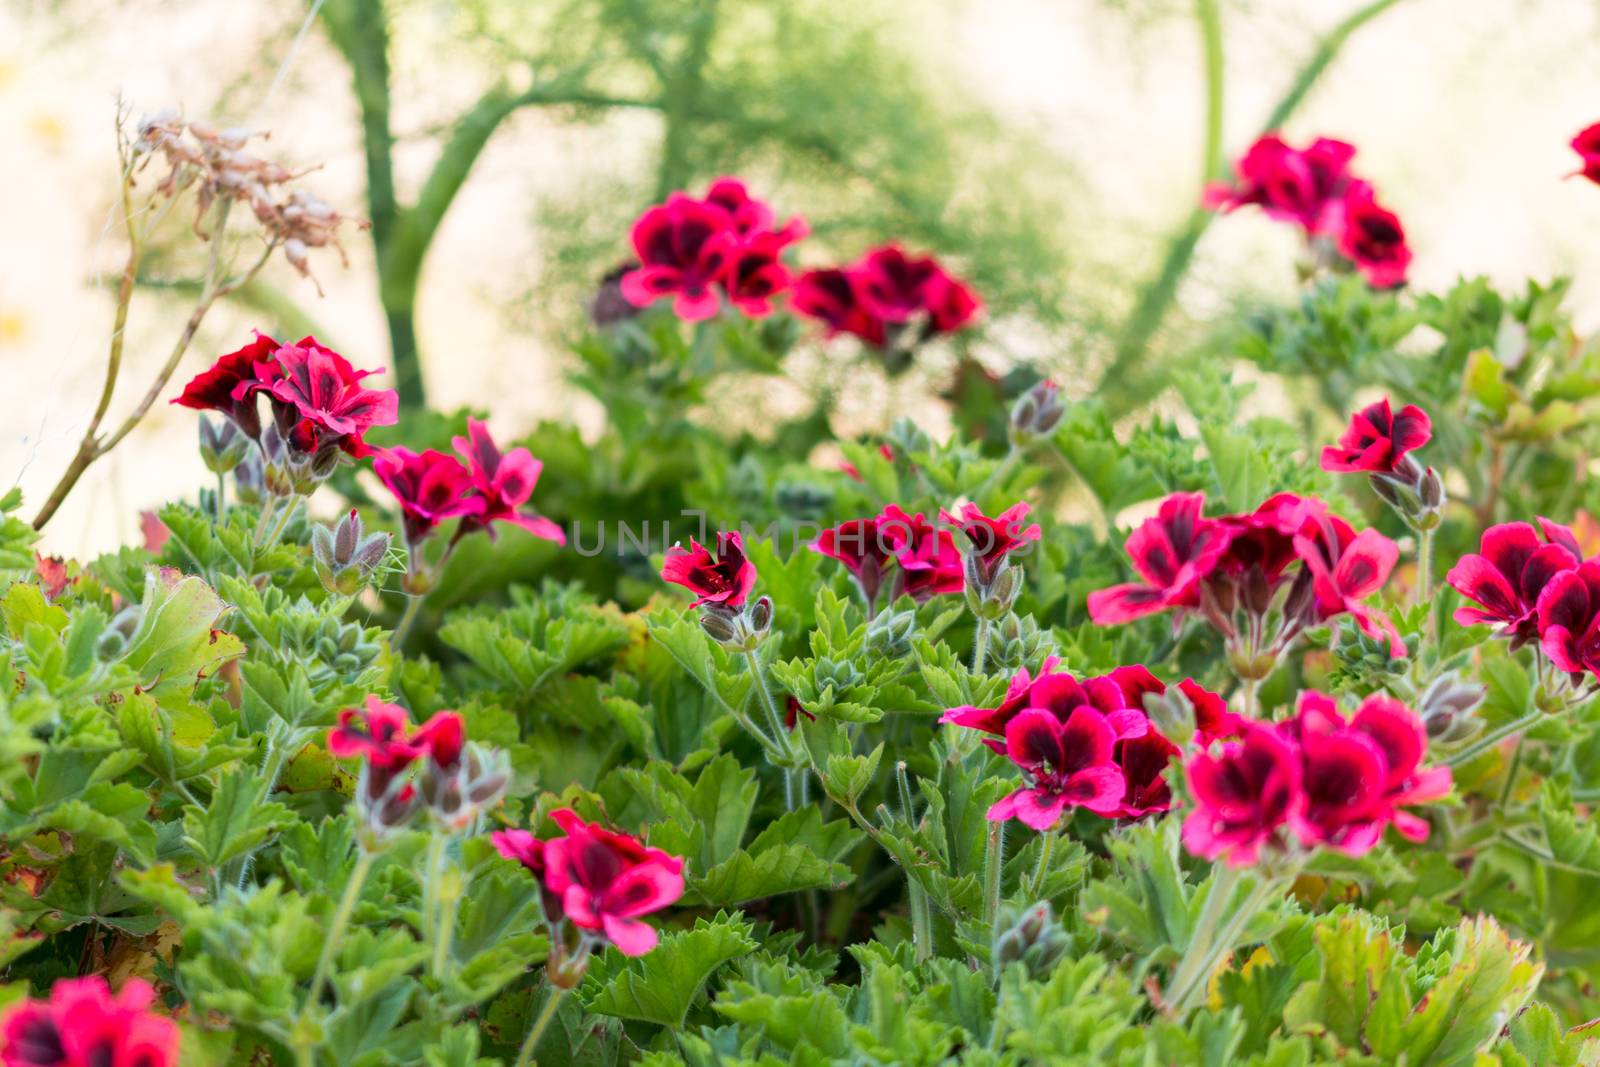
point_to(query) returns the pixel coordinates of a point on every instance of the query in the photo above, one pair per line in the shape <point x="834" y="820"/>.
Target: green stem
<point x="1492" y="738"/>
<point x="1044" y="863"/>
<point x="430" y="887"/>
<point x="335" y="932"/>
<point x="1511" y="771"/>
<point x="1252" y="701"/>
<point x="407" y="618"/>
<point x="1180" y="1001"/>
<point x="980" y="647"/>
<point x="1223" y="879"/>
<point x="780" y="735"/>
<point x="551" y="1002"/>
<point x="921" y="920"/>
<point x="222" y="495"/>
<point x="994" y="862"/>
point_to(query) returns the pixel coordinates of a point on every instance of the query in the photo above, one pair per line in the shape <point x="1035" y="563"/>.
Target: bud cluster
<point x="1033" y="938"/>
<point x="1036" y="414"/>
<point x="1019" y="641"/>
<point x="1415" y="493"/>
<point x="223" y="446"/>
<point x="474" y="783"/>
<point x="991" y="590"/>
<point x="1447" y="708"/>
<point x="739" y="629"/>
<point x="889" y="633"/>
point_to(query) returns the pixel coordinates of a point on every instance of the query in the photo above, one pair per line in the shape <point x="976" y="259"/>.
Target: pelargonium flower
<point x="894" y="286"/>
<point x="1212" y="719"/>
<point x="504" y="483"/>
<point x="832" y="296"/>
<point x="1143" y="761"/>
<point x="1244" y="793"/>
<point x="751" y="216"/>
<point x="751" y="272"/>
<point x="681" y="250"/>
<point x="430" y="486"/>
<point x="993" y="539"/>
<point x="863" y="549"/>
<point x="1345" y="569"/>
<point x="725" y="578"/>
<point x="381" y="735"/>
<point x="1372" y="238"/>
<point x="1507" y="574"/>
<point x="318" y="400"/>
<point x="226" y="386"/>
<point x="1587" y="145"/>
<point x="1064" y="764"/>
<point x="1568" y="614"/>
<point x="607" y="880"/>
<point x="83" y="1025"/>
<point x="887" y="298"/>
<point x="1058" y="693"/>
<point x="1359" y="774"/>
<point x="930" y="563"/>
<point x="1261" y="544"/>
<point x="1302" y="186"/>
<point x="1173" y="552"/>
<point x="1378" y="439"/>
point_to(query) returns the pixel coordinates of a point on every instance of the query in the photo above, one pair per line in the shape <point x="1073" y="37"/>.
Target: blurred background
<point x="1052" y="151"/>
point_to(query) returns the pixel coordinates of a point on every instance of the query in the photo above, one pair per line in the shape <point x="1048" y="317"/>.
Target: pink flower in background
<point x="725" y="578"/>
<point x="1302" y="186"/>
<point x="887" y="298"/>
<point x="607" y="880"/>
<point x="1057" y="693"/>
<point x="504" y="483"/>
<point x="1345" y="569"/>
<point x="1509" y="572"/>
<point x="381" y="735"/>
<point x="83" y="1025"/>
<point x="1064" y="764"/>
<point x="680" y="245"/>
<point x="993" y="539"/>
<point x="430" y="486"/>
<point x="153" y="531"/>
<point x="863" y="549"/>
<point x="930" y="563"/>
<point x="1378" y="439"/>
<point x="1173" y="552"/>
<point x="1372" y="238"/>
<point x="752" y="273"/>
<point x="1568" y="615"/>
<point x="318" y="400"/>
<point x="750" y="216"/>
<point x="1587" y="145"/>
<point x="226" y="386"/>
<point x="1244" y="794"/>
<point x="832" y="296"/>
<point x="1212" y="719"/>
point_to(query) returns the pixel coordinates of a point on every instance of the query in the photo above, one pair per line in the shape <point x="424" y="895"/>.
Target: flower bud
<point x="1447" y="707"/>
<point x="345" y="559"/>
<point x="1034" y="938"/>
<point x="1036" y="414"/>
<point x="223" y="446"/>
<point x="1173" y="715"/>
<point x="759" y="615"/>
<point x="456" y="795"/>
<point x="736" y="629"/>
<point x="1018" y="641"/>
<point x="991" y="597"/>
<point x="889" y="634"/>
<point x="249" y="479"/>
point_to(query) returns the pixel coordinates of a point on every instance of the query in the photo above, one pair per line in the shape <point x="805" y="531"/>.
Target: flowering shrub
<point x="1153" y="742"/>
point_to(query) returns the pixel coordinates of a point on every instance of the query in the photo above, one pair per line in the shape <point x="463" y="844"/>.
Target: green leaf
<point x="235" y="822"/>
<point x="662" y="986"/>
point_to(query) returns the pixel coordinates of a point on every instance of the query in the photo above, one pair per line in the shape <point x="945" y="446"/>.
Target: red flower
<point x="443" y="737"/>
<point x="83" y="1025"/>
<point x="751" y="272"/>
<point x="318" y="400"/>
<point x="1568" y="614"/>
<point x="886" y="296"/>
<point x="1242" y="795"/>
<point x="792" y="710"/>
<point x="749" y="216"/>
<point x="680" y="245"/>
<point x="930" y="563"/>
<point x="1143" y="761"/>
<point x="864" y="550"/>
<point x="1173" y="552"/>
<point x="1508" y="574"/>
<point x="1064" y="764"/>
<point x="227" y="385"/>
<point x="1358" y="775"/>
<point x="1059" y="694"/>
<point x="504" y="483"/>
<point x="896" y="287"/>
<point x="1264" y="539"/>
<point x="1212" y="719"/>
<point x="993" y="539"/>
<point x="430" y="486"/>
<point x="381" y="733"/>
<point x="606" y="880"/>
<point x="832" y="296"/>
<point x="1587" y="145"/>
<point x="725" y="578"/>
<point x="1377" y="440"/>
<point x="1292" y="185"/>
<point x="1345" y="569"/>
<point x="1372" y="238"/>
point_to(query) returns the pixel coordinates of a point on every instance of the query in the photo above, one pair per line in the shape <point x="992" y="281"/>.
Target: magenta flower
<point x="1243" y="795"/>
<point x="1372" y="238"/>
<point x="887" y="298"/>
<point x="1568" y="614"/>
<point x="1587" y="145"/>
<point x="1064" y="765"/>
<point x="430" y="486"/>
<point x="863" y="549"/>
<point x="607" y="880"/>
<point x="381" y="735"/>
<point x="318" y="400"/>
<point x="832" y="296"/>
<point x="504" y="483"/>
<point x="1212" y="719"/>
<point x="750" y="216"/>
<point x="1509" y="572"/>
<point x="1143" y="761"/>
<point x="226" y="386"/>
<point x="1359" y="775"/>
<point x="83" y="1025"/>
<point x="1345" y="569"/>
<point x="1173" y="552"/>
<point x="752" y="273"/>
<point x="1263" y="540"/>
<point x="1378" y="439"/>
<point x="992" y="540"/>
<point x="1302" y="186"/>
<point x="1059" y="694"/>
<point x="725" y="578"/>
<point x="930" y="563"/>
<point x="682" y="253"/>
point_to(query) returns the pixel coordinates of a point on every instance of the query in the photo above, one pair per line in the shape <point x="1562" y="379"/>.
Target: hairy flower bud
<point x="889" y="634"/>
<point x="455" y="795"/>
<point x="1036" y="414"/>
<point x="1033" y="938"/>
<point x="1173" y="715"/>
<point x="737" y="629"/>
<point x="1447" y="707"/>
<point x="249" y="479"/>
<point x="1018" y="641"/>
<point x="223" y="446"/>
<point x="991" y="597"/>
<point x="344" y="558"/>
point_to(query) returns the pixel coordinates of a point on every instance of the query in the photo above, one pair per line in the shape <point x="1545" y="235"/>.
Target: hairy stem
<point x="994" y="862"/>
<point x="335" y="932"/>
<point x="551" y="1002"/>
